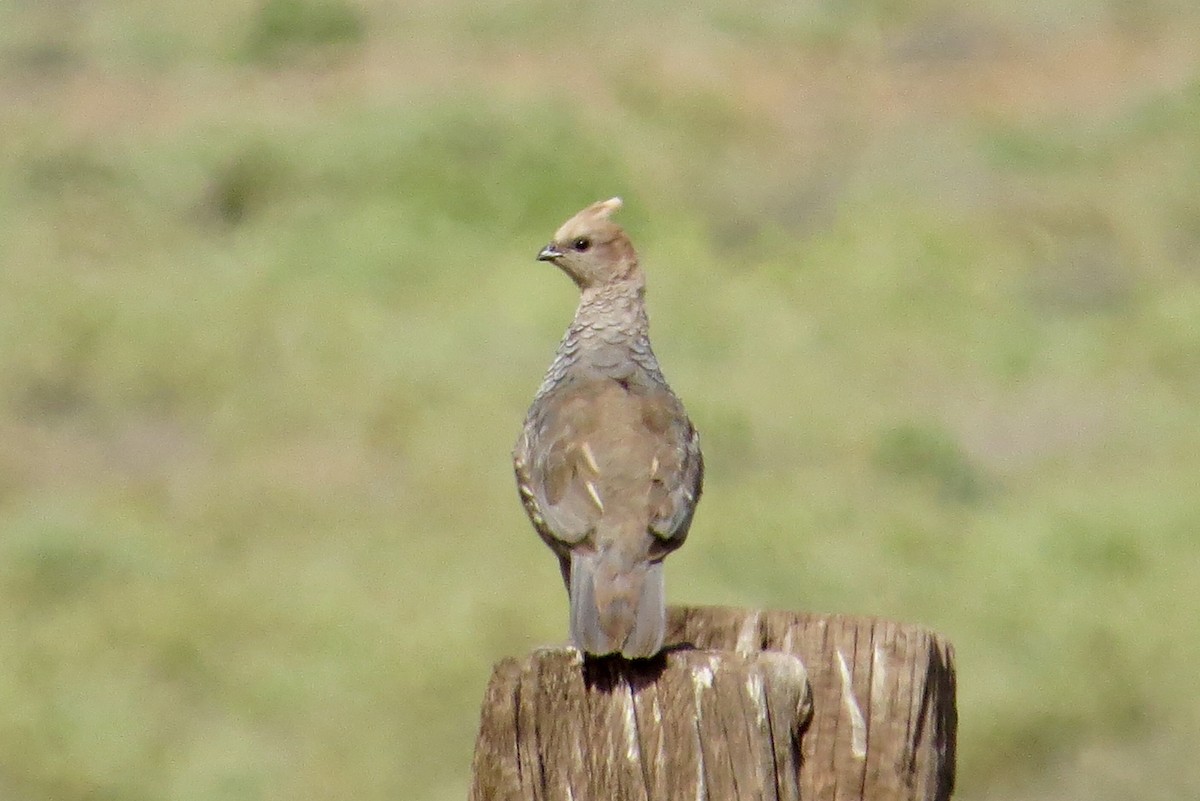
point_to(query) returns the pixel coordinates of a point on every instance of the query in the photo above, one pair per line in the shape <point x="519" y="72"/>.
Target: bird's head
<point x="592" y="249"/>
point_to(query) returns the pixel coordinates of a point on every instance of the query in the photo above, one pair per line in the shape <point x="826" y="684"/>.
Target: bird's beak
<point x="549" y="253"/>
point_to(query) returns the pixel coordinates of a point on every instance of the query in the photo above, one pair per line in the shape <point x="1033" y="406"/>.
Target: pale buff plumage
<point x="608" y="465"/>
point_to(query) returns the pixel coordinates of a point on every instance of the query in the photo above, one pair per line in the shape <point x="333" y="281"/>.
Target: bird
<point x="608" y="465"/>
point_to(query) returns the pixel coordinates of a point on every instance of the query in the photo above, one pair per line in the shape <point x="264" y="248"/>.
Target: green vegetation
<point x="928" y="281"/>
<point x="285" y="27"/>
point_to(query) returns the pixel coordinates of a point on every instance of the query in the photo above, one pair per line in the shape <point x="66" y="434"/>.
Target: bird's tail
<point x="617" y="607"/>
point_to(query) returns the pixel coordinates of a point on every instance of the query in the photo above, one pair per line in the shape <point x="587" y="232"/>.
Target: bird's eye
<point x="581" y="244"/>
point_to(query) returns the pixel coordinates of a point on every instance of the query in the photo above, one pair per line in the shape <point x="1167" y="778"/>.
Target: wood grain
<point x="744" y="705"/>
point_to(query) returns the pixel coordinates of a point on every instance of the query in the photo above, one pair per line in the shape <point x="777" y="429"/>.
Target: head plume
<point x="593" y="249"/>
<point x="607" y="208"/>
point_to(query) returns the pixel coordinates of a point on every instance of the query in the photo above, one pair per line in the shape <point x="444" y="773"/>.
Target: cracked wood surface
<point x="746" y="705"/>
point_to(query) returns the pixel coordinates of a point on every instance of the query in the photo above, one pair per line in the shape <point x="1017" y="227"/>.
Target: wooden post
<point x="744" y="705"/>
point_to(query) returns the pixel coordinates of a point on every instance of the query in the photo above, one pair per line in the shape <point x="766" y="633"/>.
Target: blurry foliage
<point x="286" y="29"/>
<point x="925" y="453"/>
<point x="73" y="169"/>
<point x="490" y="169"/>
<point x="245" y="184"/>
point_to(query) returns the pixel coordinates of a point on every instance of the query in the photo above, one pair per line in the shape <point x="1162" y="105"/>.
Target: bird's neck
<point x="608" y="337"/>
<point x="616" y="310"/>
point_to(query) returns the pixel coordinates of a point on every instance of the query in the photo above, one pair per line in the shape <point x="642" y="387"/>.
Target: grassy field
<point x="927" y="279"/>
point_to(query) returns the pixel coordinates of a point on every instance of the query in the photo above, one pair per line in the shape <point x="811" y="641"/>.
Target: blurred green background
<point x="926" y="274"/>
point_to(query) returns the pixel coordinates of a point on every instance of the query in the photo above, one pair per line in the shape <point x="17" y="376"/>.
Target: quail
<point x="608" y="464"/>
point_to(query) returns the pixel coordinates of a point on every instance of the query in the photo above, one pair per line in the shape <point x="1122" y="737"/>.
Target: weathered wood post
<point x="745" y="705"/>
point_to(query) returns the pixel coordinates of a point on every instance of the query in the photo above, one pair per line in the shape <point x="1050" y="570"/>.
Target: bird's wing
<point x="677" y="477"/>
<point x="600" y="440"/>
<point x="556" y="471"/>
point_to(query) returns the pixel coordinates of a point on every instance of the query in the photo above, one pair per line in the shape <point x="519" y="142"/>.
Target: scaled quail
<point x="608" y="465"/>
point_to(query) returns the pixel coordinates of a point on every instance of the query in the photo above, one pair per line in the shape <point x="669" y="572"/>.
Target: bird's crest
<point x="606" y="208"/>
<point x="590" y="221"/>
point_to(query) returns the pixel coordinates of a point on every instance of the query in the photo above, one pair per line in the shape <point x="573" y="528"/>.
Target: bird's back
<point x="603" y="447"/>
